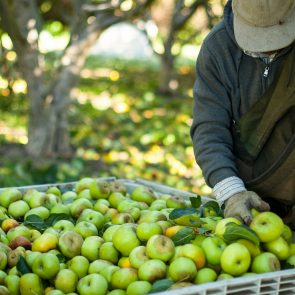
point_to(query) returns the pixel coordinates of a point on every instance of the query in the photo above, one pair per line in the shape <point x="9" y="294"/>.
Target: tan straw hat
<point x="264" y="25"/>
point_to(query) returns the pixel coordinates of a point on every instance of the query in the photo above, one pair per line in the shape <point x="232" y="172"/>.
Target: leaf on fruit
<point x="235" y="232"/>
<point x="161" y="285"/>
<point x="211" y="205"/>
<point x="196" y="201"/>
<point x="36" y="222"/>
<point x="61" y="258"/>
<point x="54" y="218"/>
<point x="184" y="236"/>
<point x="179" y="212"/>
<point x="22" y="266"/>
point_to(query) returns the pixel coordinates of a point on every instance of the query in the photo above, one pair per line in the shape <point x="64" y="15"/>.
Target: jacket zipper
<point x="266" y="71"/>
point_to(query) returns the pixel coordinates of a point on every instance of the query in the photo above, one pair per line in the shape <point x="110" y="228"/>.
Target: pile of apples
<point x="98" y="238"/>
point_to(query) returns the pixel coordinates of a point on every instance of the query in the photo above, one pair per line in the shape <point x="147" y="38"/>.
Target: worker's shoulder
<point x="219" y="36"/>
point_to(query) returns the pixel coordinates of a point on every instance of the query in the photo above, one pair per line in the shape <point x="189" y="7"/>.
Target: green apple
<point x="291" y="260"/>
<point x="205" y="275"/>
<point x="117" y="292"/>
<point x="54" y="292"/>
<point x="224" y="276"/>
<point x="110" y="214"/>
<point x="3" y="260"/>
<point x="221" y="225"/>
<point x="252" y="248"/>
<point x="123" y="277"/>
<point x="38" y="200"/>
<point x="122" y="218"/>
<point x="86" y="229"/>
<point x="90" y="247"/>
<point x="146" y="230"/>
<point x="213" y="248"/>
<point x="85" y="194"/>
<point x="109" y="232"/>
<point x="147" y="215"/>
<point x="116" y="198"/>
<point x="14" y="256"/>
<point x="3" y="275"/>
<point x="45" y="242"/>
<point x="235" y="259"/>
<point x="63" y="225"/>
<point x="8" y="224"/>
<point x="279" y="247"/>
<point x="118" y="186"/>
<point x="30" y="194"/>
<point x="93" y="217"/>
<point x="70" y="243"/>
<point x="83" y="183"/>
<point x="195" y="253"/>
<point x="152" y="270"/>
<point x="80" y="265"/>
<point x="125" y="239"/>
<point x="164" y="224"/>
<point x="160" y="247"/>
<point x="52" y="201"/>
<point x="69" y="196"/>
<point x="66" y="281"/>
<point x="46" y="266"/>
<point x="158" y="205"/>
<point x="268" y="226"/>
<point x="4" y="290"/>
<point x="182" y="269"/>
<point x="126" y="205"/>
<point x="18" y="209"/>
<point x="143" y="194"/>
<point x="12" y="284"/>
<point x="107" y="272"/>
<point x="34" y="234"/>
<point x="54" y="190"/>
<point x="31" y="256"/>
<point x="287" y="234"/>
<point x="138" y="256"/>
<point x="265" y="262"/>
<point x="30" y="283"/>
<point x="107" y="251"/>
<point x="20" y="230"/>
<point x="60" y="209"/>
<point x="92" y="284"/>
<point x="77" y="207"/>
<point x="139" y="288"/>
<point x="102" y="206"/>
<point x="8" y="196"/>
<point x="100" y="189"/>
<point x="42" y="212"/>
<point x="175" y="202"/>
<point x="98" y="265"/>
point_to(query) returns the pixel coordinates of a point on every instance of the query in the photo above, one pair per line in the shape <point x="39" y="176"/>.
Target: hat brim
<point x="263" y="39"/>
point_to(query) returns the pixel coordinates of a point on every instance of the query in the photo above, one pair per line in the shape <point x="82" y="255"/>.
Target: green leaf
<point x="211" y="205"/>
<point x="176" y="213"/>
<point x="183" y="236"/>
<point x="22" y="266"/>
<point x="54" y="218"/>
<point x="196" y="201"/>
<point x="61" y="258"/>
<point x="36" y="222"/>
<point x="234" y="232"/>
<point x="161" y="285"/>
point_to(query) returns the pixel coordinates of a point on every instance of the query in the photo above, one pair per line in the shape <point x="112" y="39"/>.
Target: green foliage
<point x="119" y="127"/>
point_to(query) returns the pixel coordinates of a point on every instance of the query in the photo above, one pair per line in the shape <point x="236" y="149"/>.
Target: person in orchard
<point x="243" y="129"/>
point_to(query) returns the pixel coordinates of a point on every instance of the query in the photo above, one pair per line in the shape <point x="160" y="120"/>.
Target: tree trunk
<point x="167" y="74"/>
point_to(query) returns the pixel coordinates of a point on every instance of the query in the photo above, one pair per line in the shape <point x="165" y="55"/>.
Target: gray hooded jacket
<point x="228" y="83"/>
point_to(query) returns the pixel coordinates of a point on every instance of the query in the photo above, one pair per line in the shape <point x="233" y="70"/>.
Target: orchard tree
<point x="49" y="98"/>
<point x="179" y="22"/>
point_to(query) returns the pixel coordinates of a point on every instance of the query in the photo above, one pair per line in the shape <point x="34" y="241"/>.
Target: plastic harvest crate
<point x="274" y="283"/>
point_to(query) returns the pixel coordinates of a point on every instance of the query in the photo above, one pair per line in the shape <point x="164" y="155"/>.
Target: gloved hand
<point x="239" y="205"/>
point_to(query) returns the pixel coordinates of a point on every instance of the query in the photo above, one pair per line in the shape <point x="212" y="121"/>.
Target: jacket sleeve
<point x="212" y="119"/>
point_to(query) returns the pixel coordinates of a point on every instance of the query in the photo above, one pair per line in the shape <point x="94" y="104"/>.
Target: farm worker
<point x="243" y="129"/>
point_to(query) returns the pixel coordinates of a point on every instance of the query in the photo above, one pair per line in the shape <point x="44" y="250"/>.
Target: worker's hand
<point x="240" y="205"/>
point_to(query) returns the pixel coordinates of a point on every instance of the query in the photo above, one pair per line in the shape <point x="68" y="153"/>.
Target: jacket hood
<point x="229" y="20"/>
